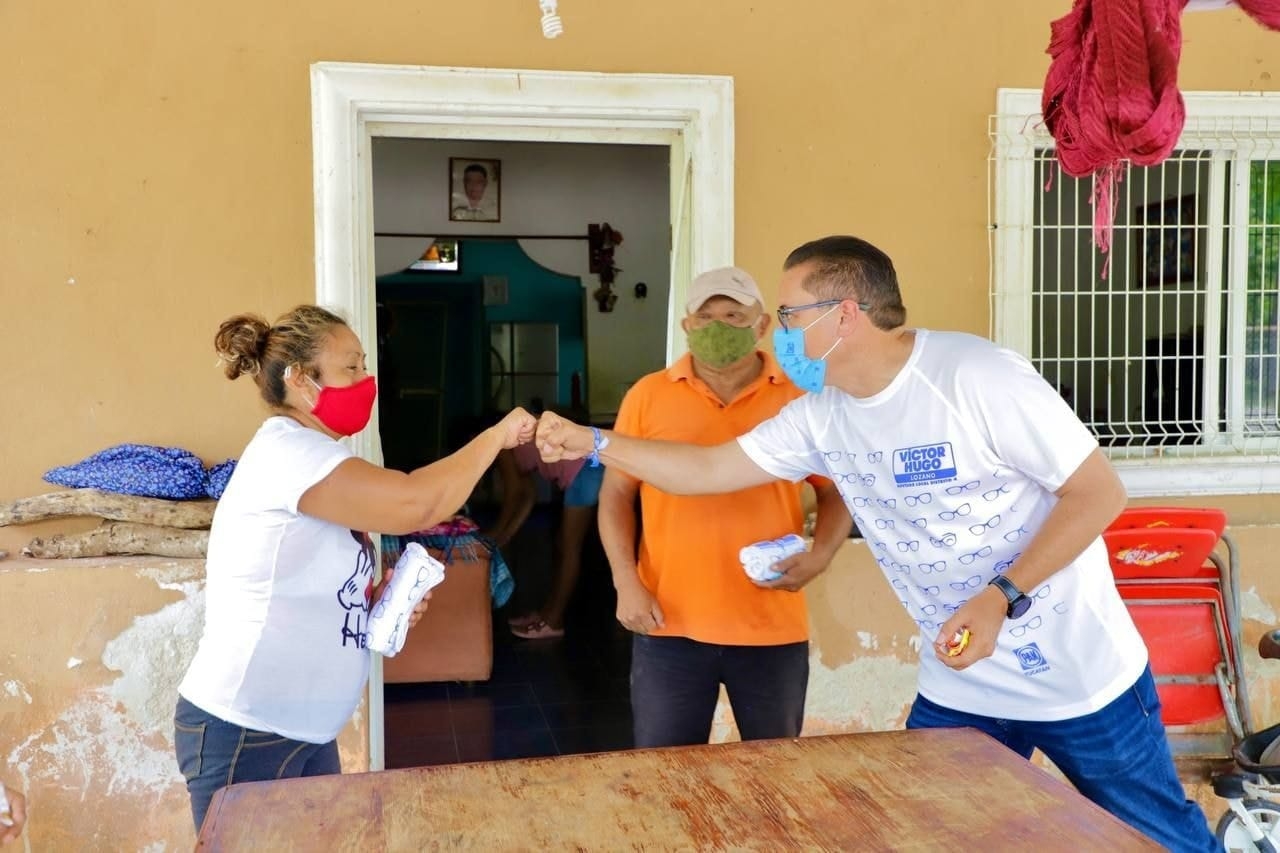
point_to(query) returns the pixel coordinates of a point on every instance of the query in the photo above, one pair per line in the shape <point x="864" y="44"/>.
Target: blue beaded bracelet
<point x="600" y="441"/>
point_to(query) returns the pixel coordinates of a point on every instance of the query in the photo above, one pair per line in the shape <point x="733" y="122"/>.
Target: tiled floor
<point x="546" y="697"/>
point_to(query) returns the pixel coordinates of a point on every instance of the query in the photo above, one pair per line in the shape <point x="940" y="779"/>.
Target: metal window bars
<point x="1177" y="349"/>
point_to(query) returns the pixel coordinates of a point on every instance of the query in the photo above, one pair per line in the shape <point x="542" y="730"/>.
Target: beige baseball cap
<point x="726" y="281"/>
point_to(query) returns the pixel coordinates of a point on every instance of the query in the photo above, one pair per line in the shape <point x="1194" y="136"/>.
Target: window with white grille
<point x="1168" y="348"/>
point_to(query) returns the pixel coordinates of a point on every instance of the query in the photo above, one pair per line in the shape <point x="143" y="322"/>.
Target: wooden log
<point x="117" y="538"/>
<point x="108" y="505"/>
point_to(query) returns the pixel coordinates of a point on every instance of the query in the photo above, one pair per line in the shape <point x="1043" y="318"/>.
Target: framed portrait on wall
<point x="1166" y="242"/>
<point x="475" y="190"/>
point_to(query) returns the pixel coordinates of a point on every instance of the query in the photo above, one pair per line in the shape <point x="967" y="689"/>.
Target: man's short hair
<point x="476" y="167"/>
<point x="851" y="268"/>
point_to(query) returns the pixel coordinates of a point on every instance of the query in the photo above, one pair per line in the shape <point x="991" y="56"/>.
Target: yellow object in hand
<point x="958" y="643"/>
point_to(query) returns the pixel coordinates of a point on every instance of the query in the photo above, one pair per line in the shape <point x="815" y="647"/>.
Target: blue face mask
<point x="809" y="374"/>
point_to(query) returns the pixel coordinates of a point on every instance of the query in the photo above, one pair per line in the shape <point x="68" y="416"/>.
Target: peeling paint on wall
<point x="152" y="655"/>
<point x="871" y="693"/>
<point x="113" y="741"/>
<point x="93" y="750"/>
<point x="17" y="690"/>
<point x="1255" y="607"/>
<point x="96" y="749"/>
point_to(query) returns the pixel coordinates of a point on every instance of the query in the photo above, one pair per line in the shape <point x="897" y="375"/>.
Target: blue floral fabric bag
<point x="219" y="476"/>
<point x="143" y="470"/>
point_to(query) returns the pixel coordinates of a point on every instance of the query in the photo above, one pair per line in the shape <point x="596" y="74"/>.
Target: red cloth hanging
<point x="1111" y="94"/>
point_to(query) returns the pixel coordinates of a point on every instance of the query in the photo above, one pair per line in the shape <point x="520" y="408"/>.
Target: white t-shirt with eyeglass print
<point x="948" y="473"/>
<point x="285" y="645"/>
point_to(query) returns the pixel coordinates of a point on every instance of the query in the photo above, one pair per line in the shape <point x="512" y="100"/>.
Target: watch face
<point x="1019" y="607"/>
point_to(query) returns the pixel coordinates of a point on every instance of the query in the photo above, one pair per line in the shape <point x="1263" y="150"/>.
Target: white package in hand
<point x="416" y="572"/>
<point x="759" y="559"/>
<point x="6" y="817"/>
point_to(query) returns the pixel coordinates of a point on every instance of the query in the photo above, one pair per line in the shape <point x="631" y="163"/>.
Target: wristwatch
<point x="1019" y="602"/>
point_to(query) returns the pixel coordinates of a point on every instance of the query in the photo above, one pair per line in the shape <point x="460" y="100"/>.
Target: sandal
<point x="538" y="630"/>
<point x="524" y="621"/>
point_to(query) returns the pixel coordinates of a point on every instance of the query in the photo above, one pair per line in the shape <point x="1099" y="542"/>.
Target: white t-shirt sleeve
<point x="301" y="458"/>
<point x="783" y="445"/>
<point x="1029" y="425"/>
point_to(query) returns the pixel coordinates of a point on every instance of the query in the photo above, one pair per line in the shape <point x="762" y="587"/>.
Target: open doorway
<point x="353" y="103"/>
<point x="558" y="303"/>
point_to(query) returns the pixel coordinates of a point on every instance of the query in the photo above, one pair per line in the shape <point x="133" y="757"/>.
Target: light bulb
<point x="552" y="26"/>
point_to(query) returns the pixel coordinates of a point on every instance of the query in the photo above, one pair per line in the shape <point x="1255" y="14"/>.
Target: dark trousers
<point x="213" y="754"/>
<point x="675" y="683"/>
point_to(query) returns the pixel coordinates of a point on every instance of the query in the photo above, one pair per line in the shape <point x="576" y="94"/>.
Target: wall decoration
<point x="440" y="256"/>
<point x="475" y="190"/>
<point x="1165" y="242"/>
<point x="601" y="241"/>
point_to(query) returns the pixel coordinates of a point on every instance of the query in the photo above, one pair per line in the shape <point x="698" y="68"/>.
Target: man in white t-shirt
<point x="982" y="498"/>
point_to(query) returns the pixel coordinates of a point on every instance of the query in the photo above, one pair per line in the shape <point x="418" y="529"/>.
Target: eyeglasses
<point x="983" y="526"/>
<point x="1015" y="535"/>
<point x="784" y="314"/>
<point x="1031" y="624"/>
<point x="1003" y="566"/>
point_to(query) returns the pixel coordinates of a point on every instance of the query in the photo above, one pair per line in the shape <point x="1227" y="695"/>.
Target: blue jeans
<point x="1118" y="757"/>
<point x="675" y="683"/>
<point x="213" y="754"/>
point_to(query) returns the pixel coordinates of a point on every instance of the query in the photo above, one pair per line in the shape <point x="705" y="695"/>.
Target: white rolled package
<point x="416" y="572"/>
<point x="759" y="559"/>
<point x="6" y="817"/>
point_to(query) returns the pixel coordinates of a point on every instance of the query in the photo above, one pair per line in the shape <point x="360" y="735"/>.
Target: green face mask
<point x="719" y="344"/>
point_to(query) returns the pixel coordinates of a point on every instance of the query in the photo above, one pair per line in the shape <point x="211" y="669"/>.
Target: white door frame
<point x="351" y="103"/>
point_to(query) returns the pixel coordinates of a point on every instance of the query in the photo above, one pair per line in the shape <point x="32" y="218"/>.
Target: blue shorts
<point x="585" y="488"/>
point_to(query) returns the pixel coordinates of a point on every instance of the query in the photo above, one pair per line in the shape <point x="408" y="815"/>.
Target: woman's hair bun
<point x="241" y="343"/>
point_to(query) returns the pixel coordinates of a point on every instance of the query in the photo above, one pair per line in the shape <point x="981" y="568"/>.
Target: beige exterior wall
<point x="156" y="178"/>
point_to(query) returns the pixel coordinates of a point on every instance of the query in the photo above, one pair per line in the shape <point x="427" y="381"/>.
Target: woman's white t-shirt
<point x="948" y="473"/>
<point x="284" y="646"/>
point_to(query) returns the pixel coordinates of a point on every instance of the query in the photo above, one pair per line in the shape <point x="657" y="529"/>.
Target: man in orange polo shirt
<point x="699" y="621"/>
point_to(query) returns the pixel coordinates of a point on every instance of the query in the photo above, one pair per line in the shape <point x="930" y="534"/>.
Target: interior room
<point x="525" y="307"/>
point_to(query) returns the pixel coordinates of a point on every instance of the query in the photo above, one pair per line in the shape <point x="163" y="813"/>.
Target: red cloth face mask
<point x="345" y="410"/>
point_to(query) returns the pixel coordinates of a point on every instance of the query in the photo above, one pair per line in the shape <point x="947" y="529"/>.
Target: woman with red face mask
<point x="283" y="659"/>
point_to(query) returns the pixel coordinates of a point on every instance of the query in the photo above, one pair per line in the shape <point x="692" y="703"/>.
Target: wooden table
<point x="935" y="790"/>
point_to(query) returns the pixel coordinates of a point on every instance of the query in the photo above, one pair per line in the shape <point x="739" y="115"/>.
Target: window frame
<point x="1226" y="463"/>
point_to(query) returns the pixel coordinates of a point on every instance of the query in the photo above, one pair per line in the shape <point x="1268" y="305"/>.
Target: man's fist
<point x="559" y="439"/>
